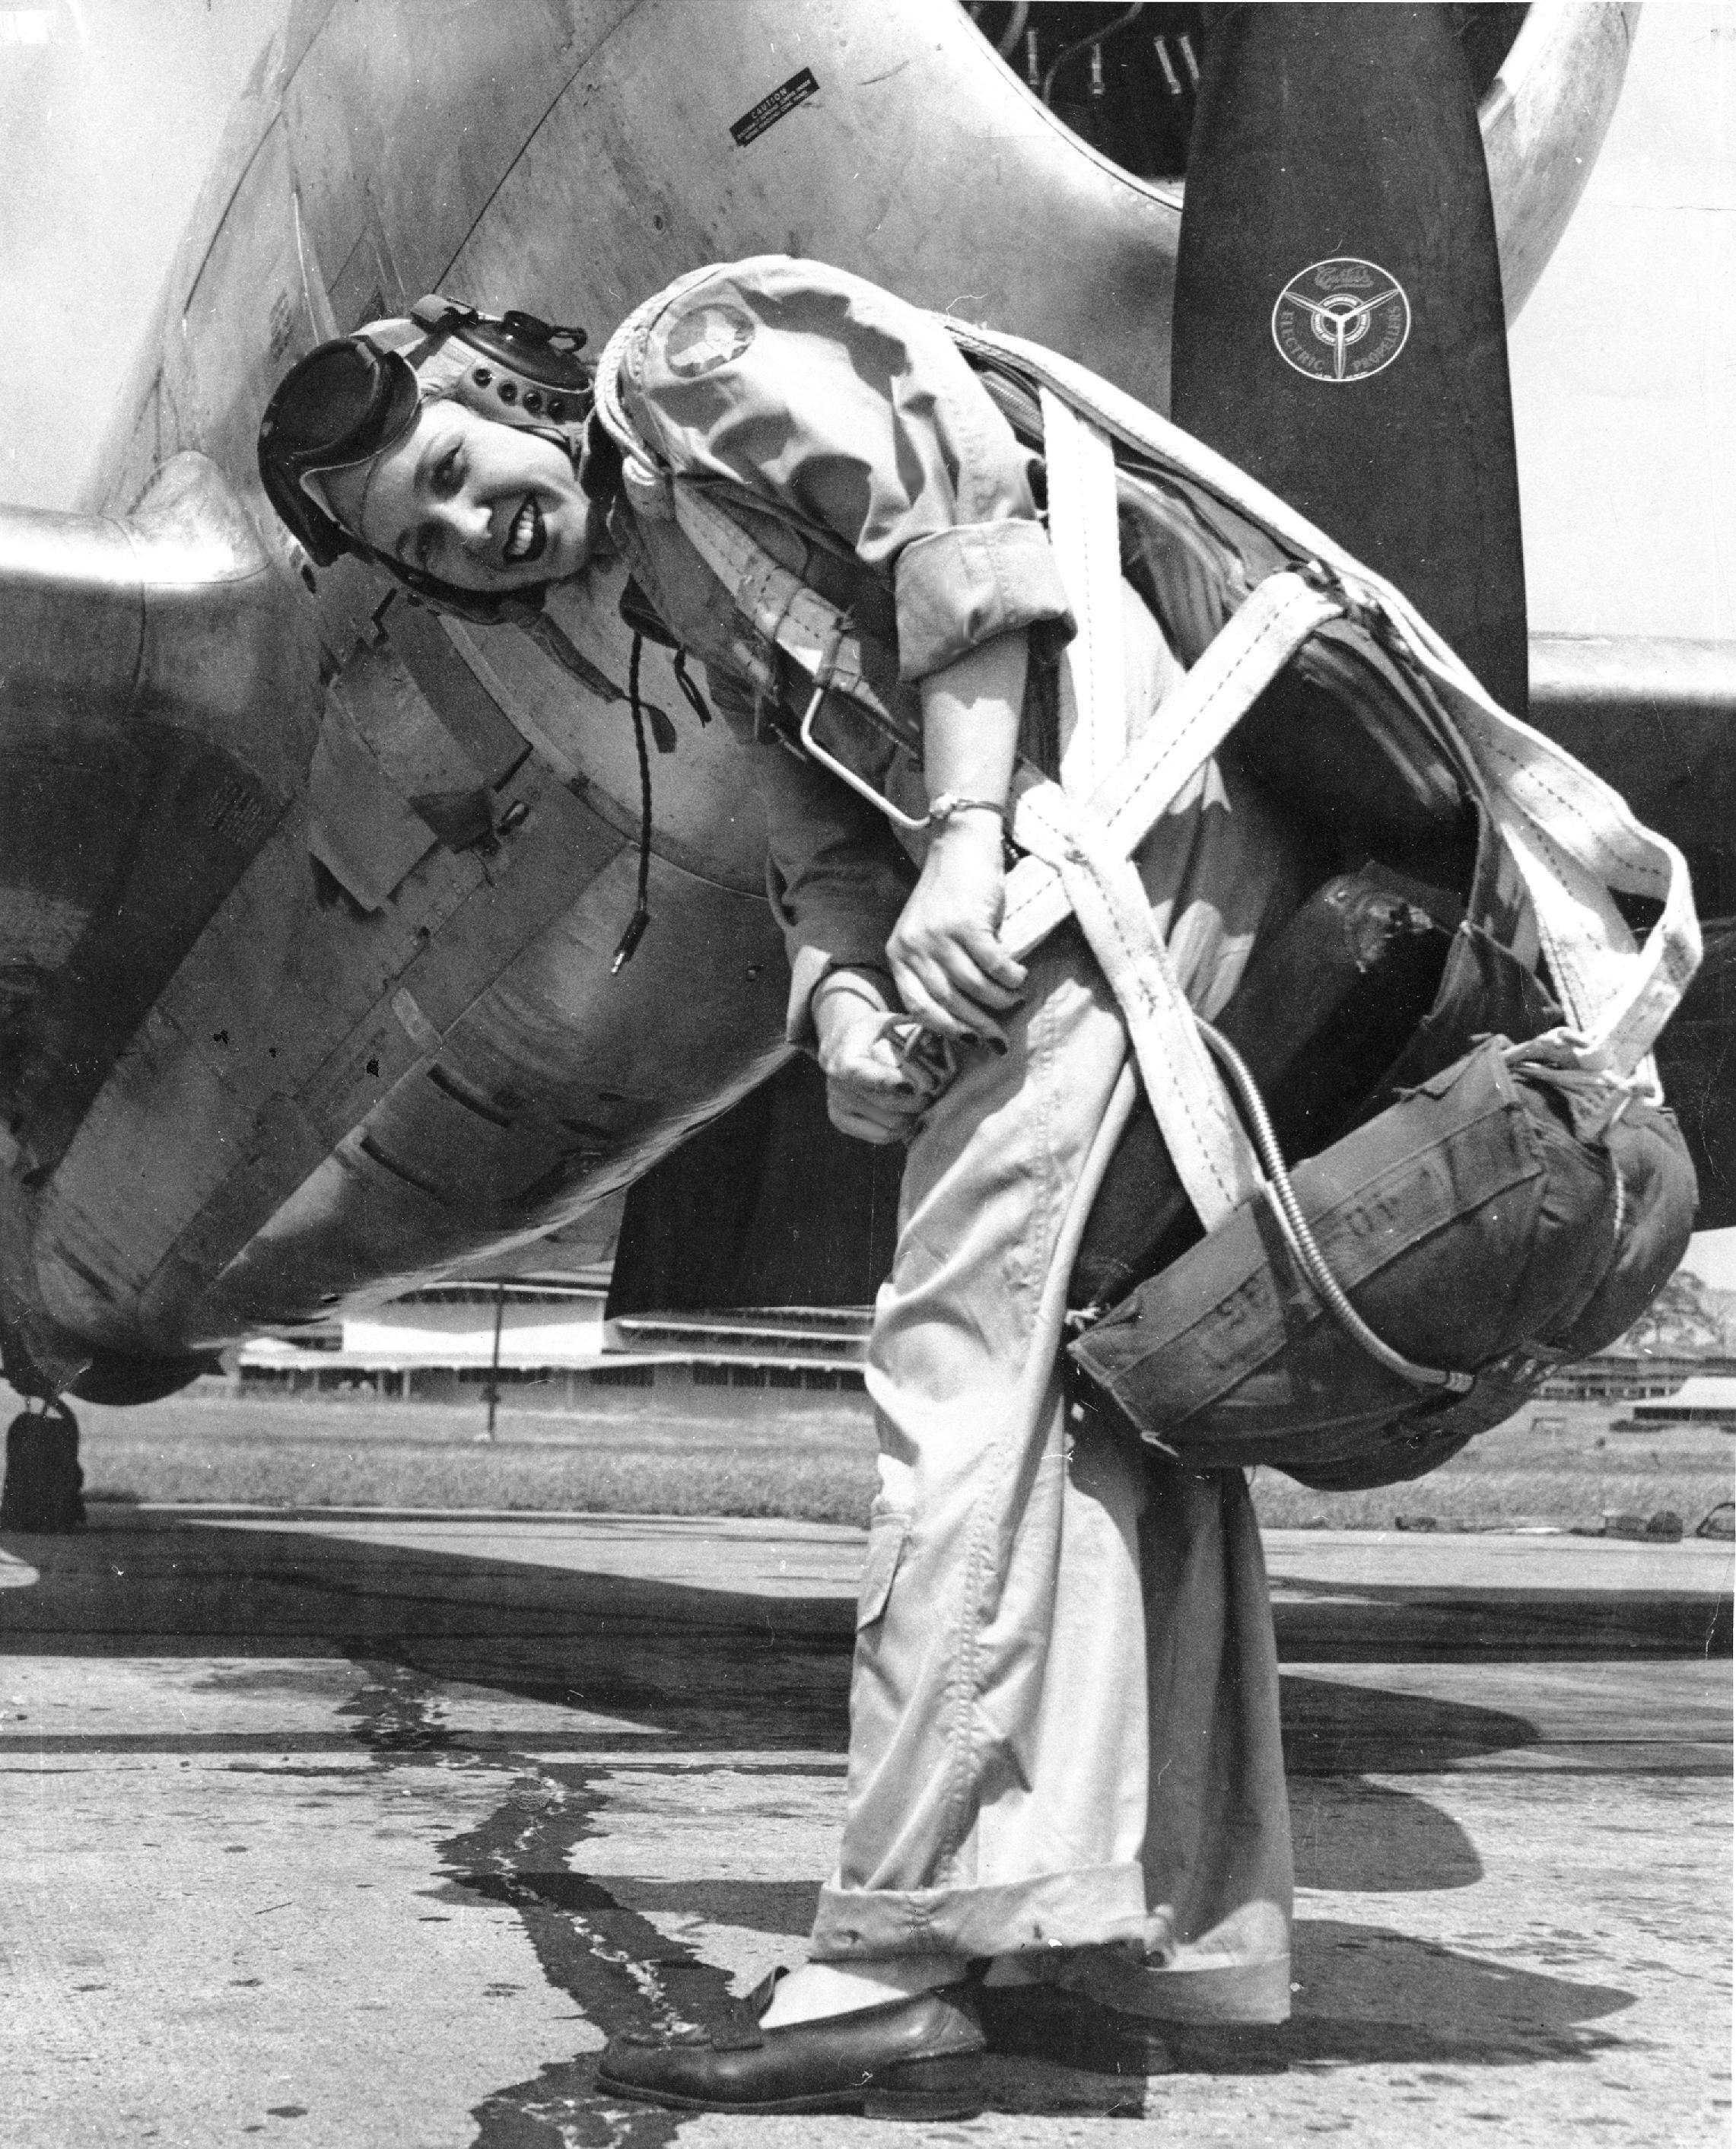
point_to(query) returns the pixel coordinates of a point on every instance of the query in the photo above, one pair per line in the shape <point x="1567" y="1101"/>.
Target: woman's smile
<point x="527" y="535"/>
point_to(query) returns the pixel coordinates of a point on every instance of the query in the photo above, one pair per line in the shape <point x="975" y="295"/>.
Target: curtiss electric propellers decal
<point x="1341" y="320"/>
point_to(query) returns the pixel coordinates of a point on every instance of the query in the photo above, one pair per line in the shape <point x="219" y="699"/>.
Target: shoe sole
<point x="945" y="2088"/>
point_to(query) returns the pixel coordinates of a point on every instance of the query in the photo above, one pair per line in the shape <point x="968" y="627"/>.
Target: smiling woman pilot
<point x="1065" y="1818"/>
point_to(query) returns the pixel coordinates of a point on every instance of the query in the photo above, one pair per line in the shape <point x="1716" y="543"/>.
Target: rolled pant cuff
<point x="1088" y="1906"/>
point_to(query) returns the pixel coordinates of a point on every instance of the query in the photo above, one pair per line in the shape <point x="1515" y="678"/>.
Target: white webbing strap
<point x="1574" y="838"/>
<point x="781" y="605"/>
<point x="1080" y="834"/>
<point x="1213" y="1157"/>
<point x="1085" y="536"/>
<point x="1248" y="654"/>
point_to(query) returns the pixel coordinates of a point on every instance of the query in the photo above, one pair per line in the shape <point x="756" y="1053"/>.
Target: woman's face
<point x="480" y="506"/>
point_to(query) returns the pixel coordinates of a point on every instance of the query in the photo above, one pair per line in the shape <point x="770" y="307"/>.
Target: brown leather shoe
<point x="1070" y="2030"/>
<point x="907" y="2058"/>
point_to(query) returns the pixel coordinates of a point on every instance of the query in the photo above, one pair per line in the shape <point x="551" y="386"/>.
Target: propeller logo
<point x="1341" y="320"/>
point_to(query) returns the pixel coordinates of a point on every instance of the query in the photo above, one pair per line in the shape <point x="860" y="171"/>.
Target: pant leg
<point x="1218" y="1876"/>
<point x="1039" y="1643"/>
<point x="997" y="1790"/>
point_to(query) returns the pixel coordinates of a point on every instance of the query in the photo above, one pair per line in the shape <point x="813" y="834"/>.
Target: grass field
<point x="1559" y="1464"/>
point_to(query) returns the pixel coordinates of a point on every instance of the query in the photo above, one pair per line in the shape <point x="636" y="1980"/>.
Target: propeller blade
<point x="1338" y="326"/>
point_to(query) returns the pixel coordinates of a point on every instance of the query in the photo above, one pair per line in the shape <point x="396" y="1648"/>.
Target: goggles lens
<point x="344" y="403"/>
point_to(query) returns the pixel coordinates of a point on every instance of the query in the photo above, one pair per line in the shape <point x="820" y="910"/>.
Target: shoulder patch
<point x="709" y="337"/>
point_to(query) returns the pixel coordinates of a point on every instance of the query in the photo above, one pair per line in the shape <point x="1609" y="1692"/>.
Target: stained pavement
<point x="358" y="1830"/>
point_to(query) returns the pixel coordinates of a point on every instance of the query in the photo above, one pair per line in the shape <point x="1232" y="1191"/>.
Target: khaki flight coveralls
<point x="1064" y="1713"/>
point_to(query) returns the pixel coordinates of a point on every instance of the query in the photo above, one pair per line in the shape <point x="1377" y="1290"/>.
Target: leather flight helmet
<point x="351" y="398"/>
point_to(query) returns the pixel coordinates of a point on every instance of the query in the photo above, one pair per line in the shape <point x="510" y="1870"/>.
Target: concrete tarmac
<point x="354" y="1831"/>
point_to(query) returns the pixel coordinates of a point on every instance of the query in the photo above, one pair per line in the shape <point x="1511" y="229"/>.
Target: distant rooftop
<point x="1707" y="1399"/>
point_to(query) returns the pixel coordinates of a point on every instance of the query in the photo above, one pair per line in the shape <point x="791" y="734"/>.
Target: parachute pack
<point x="1468" y="1174"/>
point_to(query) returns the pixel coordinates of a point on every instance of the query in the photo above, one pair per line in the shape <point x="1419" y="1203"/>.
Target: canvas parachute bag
<point x="1499" y="1187"/>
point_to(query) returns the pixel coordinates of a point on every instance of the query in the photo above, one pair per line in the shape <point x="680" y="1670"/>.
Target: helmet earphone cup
<point x="516" y="369"/>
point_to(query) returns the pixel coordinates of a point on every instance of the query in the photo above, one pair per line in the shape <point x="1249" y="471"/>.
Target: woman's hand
<point x="951" y="971"/>
<point x="870" y="1092"/>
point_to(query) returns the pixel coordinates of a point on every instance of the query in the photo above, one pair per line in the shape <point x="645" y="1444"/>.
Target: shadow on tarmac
<point x="710" y="1668"/>
<point x="162" y="1574"/>
<point x="707" y="1672"/>
<point x="1374" y="1623"/>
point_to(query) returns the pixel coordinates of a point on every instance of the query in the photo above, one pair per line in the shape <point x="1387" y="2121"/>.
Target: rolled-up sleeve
<point x="964" y="586"/>
<point x="830" y="397"/>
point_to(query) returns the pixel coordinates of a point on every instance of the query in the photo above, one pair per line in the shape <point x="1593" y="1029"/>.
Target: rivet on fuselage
<point x="533" y="399"/>
<point x="482" y="376"/>
<point x="507" y="391"/>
